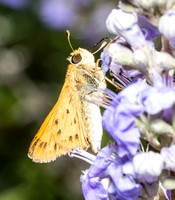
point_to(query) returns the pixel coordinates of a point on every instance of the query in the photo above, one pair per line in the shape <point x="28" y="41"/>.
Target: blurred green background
<point x="33" y="52"/>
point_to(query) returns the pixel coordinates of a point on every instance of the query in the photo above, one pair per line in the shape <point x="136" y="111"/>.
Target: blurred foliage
<point x="32" y="69"/>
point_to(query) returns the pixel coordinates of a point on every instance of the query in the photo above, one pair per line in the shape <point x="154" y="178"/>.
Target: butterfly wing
<point x="62" y="130"/>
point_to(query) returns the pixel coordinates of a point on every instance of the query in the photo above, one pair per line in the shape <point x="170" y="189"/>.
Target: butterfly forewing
<point x="74" y="121"/>
<point x="62" y="130"/>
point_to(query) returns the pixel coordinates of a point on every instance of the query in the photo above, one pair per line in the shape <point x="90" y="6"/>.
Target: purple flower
<point x="119" y="118"/>
<point x="120" y="124"/>
<point x="129" y="104"/>
<point x="117" y="70"/>
<point x="92" y="188"/>
<point x="58" y="14"/>
<point x="94" y="180"/>
<point x="168" y="154"/>
<point x="110" y="177"/>
<point x="166" y="26"/>
<point x="106" y="61"/>
<point x="125" y="185"/>
<point x="149" y="31"/>
<point x="15" y="4"/>
<point x="159" y="97"/>
<point x="148" y="166"/>
<point x="102" y="160"/>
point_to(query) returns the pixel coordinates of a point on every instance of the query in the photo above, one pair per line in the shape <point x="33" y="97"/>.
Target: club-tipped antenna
<point x="103" y="44"/>
<point x="68" y="37"/>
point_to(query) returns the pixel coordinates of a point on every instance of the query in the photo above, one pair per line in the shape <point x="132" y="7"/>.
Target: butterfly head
<point x="81" y="56"/>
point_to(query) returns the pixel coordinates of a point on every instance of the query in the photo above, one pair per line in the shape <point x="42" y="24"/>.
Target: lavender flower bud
<point x="160" y="127"/>
<point x="169" y="183"/>
<point x="164" y="60"/>
<point x="115" y="26"/>
<point x="140" y="58"/>
<point x="146" y="4"/>
<point x="125" y="24"/>
<point x="151" y="3"/>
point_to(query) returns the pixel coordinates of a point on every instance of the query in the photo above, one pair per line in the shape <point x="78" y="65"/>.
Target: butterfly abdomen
<point x="94" y="125"/>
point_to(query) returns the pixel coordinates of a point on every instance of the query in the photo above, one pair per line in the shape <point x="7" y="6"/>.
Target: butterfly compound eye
<point x="76" y="58"/>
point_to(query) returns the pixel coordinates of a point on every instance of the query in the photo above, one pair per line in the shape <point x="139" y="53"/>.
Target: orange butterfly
<point x="74" y="121"/>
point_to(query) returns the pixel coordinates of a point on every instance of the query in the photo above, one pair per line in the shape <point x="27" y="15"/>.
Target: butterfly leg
<point x="112" y="83"/>
<point x="97" y="68"/>
<point x="96" y="97"/>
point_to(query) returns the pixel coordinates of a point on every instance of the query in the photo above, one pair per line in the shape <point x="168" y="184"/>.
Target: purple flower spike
<point x="125" y="24"/>
<point x="167" y="28"/>
<point x="15" y="4"/>
<point x="57" y="14"/>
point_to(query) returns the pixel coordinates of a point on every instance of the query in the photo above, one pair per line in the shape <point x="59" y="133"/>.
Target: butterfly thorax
<point x="83" y="80"/>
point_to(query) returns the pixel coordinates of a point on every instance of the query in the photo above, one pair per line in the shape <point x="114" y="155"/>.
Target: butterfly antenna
<point x="68" y="37"/>
<point x="103" y="44"/>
